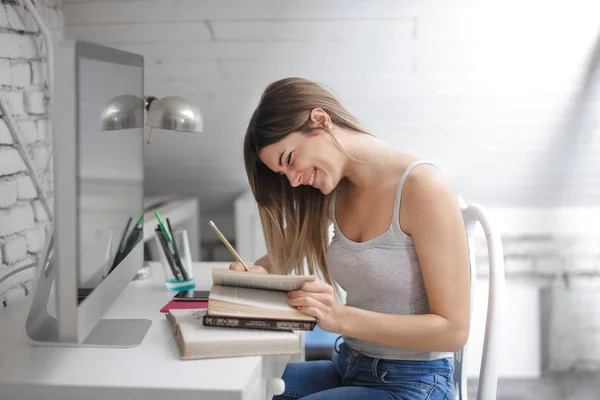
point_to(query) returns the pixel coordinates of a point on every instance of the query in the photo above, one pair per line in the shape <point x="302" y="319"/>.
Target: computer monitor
<point x="97" y="245"/>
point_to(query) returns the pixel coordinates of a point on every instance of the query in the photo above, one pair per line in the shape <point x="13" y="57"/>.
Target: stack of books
<point x="257" y="301"/>
<point x="248" y="314"/>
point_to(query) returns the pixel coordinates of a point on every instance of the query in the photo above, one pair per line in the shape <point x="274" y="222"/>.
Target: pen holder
<point x="176" y="260"/>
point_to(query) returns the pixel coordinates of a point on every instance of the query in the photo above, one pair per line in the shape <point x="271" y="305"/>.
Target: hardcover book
<point x="256" y="301"/>
<point x="196" y="341"/>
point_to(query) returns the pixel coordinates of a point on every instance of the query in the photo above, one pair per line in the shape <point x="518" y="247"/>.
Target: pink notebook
<point x="183" y="305"/>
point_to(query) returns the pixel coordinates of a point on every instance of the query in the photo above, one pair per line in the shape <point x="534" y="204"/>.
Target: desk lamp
<point x="170" y="113"/>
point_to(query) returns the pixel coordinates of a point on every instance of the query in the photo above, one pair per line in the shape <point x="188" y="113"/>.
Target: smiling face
<point x="306" y="159"/>
<point x="289" y="133"/>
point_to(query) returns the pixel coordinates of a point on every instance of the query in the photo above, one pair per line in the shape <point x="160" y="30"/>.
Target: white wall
<point x="23" y="80"/>
<point x="502" y="94"/>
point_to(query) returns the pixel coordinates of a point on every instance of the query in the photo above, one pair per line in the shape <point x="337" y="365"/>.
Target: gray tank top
<point x="383" y="275"/>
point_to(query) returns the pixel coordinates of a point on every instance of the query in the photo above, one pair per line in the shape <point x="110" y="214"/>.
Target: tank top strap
<point x="395" y="221"/>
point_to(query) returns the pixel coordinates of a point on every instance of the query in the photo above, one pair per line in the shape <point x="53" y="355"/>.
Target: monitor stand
<point x="42" y="328"/>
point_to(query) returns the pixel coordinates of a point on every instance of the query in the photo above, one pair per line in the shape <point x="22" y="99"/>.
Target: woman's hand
<point x="317" y="299"/>
<point x="253" y="267"/>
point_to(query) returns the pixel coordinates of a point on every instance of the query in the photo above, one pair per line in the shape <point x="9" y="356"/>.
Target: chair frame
<point x="488" y="373"/>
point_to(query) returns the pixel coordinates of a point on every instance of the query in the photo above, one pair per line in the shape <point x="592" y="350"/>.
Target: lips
<point x="309" y="178"/>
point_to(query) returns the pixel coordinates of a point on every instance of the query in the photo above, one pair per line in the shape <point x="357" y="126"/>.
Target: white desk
<point x="152" y="370"/>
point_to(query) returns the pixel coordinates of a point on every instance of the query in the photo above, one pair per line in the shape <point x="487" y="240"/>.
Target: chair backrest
<point x="488" y="375"/>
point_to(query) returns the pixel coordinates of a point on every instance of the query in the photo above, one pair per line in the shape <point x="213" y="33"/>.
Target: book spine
<point x="251" y="323"/>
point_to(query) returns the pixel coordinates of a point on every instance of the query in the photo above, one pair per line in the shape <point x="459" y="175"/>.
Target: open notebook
<point x="195" y="341"/>
<point x="252" y="300"/>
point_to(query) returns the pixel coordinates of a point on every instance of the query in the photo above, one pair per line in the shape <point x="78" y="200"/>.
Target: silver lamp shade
<point x="174" y="113"/>
<point x="123" y="112"/>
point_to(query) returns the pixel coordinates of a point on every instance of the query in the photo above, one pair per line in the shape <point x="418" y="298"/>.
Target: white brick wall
<point x="23" y="86"/>
<point x="16" y="219"/>
<point x="8" y="192"/>
<point x="5" y="137"/>
<point x="14" y="249"/>
<point x="25" y="188"/>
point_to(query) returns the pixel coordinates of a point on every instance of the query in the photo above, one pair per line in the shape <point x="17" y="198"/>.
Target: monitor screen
<point x="110" y="171"/>
<point x="97" y="231"/>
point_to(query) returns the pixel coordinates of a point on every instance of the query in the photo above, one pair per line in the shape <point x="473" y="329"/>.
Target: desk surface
<point x="151" y="370"/>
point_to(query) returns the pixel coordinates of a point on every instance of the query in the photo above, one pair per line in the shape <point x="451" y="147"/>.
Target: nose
<point x="294" y="177"/>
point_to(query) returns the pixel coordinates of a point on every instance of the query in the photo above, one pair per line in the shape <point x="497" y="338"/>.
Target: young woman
<point x="399" y="248"/>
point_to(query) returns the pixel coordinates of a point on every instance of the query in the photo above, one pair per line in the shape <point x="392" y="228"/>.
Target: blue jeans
<point x="351" y="375"/>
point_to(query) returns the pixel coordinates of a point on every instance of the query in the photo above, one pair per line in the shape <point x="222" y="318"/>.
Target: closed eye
<point x="289" y="158"/>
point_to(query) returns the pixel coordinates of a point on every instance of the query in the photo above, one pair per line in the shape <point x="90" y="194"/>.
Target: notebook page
<point x="285" y="283"/>
<point x="255" y="297"/>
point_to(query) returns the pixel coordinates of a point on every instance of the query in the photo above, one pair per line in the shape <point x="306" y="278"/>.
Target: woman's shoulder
<point x="424" y="171"/>
<point x="426" y="190"/>
<point x="425" y="180"/>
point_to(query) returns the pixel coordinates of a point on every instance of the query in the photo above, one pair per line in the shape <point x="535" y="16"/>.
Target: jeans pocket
<point x="417" y="380"/>
<point x="441" y="392"/>
<point x="446" y="379"/>
<point x="410" y="389"/>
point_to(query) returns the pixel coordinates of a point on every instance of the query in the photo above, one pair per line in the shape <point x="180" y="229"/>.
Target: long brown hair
<point x="295" y="220"/>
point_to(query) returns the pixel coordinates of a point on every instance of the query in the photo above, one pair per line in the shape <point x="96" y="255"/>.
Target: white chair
<point x="488" y="375"/>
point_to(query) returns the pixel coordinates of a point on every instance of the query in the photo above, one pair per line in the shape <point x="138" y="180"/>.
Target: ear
<point x="319" y="118"/>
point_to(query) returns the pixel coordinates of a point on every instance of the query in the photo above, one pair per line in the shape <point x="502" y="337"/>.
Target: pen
<point x="226" y="243"/>
<point x="117" y="258"/>
<point x="107" y="255"/>
<point x="162" y="226"/>
<point x="165" y="245"/>
<point x="137" y="231"/>
<point x="132" y="240"/>
<point x="177" y="256"/>
<point x="124" y="235"/>
<point x="139" y="220"/>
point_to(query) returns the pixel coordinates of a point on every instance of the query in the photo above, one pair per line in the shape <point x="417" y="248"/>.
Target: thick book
<point x="196" y="341"/>
<point x="250" y="300"/>
<point x="254" y="323"/>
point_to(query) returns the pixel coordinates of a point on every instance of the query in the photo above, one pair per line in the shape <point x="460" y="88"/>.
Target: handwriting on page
<point x="259" y="298"/>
